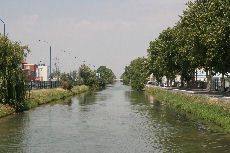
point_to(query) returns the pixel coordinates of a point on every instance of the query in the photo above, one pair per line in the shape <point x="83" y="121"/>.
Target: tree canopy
<point x="12" y="87"/>
<point x="136" y="73"/>
<point x="199" y="40"/>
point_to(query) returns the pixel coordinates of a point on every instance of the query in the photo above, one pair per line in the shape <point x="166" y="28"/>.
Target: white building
<point x="201" y="75"/>
<point x="42" y="73"/>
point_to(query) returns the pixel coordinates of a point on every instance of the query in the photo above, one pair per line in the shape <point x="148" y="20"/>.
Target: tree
<point x="137" y="73"/>
<point x="207" y="24"/>
<point x="106" y="76"/>
<point x="74" y="75"/>
<point x="12" y="87"/>
<point x="126" y="77"/>
<point x="201" y="39"/>
<point x="87" y="76"/>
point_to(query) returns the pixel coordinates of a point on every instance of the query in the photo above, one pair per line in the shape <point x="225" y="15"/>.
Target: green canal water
<point x="115" y="120"/>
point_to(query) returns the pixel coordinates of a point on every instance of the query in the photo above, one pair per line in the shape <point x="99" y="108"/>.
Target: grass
<point x="203" y="108"/>
<point x="6" y="110"/>
<point x="46" y="96"/>
<point x="40" y="97"/>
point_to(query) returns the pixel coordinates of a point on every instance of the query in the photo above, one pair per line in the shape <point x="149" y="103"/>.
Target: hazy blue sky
<point x="100" y="32"/>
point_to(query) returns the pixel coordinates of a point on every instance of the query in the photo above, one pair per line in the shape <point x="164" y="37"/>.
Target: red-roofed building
<point x="30" y="72"/>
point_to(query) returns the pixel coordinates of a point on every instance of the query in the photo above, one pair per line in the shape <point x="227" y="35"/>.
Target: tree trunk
<point x="182" y="81"/>
<point x="196" y="83"/>
<point x="171" y="82"/>
<point x="196" y="75"/>
<point x="208" y="76"/>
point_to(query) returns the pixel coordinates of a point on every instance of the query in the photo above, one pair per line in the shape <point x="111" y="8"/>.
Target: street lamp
<point x="56" y="64"/>
<point x="50" y="59"/>
<point x="4" y="26"/>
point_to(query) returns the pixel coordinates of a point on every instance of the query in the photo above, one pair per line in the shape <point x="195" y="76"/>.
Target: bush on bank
<point x="204" y="108"/>
<point x="67" y="85"/>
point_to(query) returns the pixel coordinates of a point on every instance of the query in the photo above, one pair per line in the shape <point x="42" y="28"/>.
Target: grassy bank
<point x="6" y="110"/>
<point x="214" y="111"/>
<point x="46" y="96"/>
<point x="39" y="97"/>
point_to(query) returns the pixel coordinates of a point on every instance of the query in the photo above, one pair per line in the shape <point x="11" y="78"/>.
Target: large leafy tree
<point x="154" y="60"/>
<point x="136" y="73"/>
<point x="106" y="76"/>
<point x="168" y="54"/>
<point x="12" y="88"/>
<point x="185" y="60"/>
<point x="87" y="76"/>
<point x="207" y="26"/>
<point x="126" y="76"/>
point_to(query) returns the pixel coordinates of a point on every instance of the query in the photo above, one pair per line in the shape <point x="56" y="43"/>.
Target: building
<point x="29" y="71"/>
<point x="42" y="73"/>
<point x="201" y="75"/>
<point x="21" y="65"/>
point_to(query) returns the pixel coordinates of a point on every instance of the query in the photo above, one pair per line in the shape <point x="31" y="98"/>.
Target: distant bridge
<point x="118" y="79"/>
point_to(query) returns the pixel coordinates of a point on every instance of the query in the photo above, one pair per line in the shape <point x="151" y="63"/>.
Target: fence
<point x="216" y="84"/>
<point x="33" y="85"/>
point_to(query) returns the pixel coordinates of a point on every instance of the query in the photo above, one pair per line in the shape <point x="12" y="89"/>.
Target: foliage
<point x="136" y="73"/>
<point x="201" y="39"/>
<point x="74" y="75"/>
<point x="67" y="85"/>
<point x="12" y="87"/>
<point x="65" y="77"/>
<point x="88" y="77"/>
<point x="106" y="76"/>
<point x="126" y="78"/>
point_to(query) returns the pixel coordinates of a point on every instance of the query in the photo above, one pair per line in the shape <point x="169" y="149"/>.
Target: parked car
<point x="150" y="83"/>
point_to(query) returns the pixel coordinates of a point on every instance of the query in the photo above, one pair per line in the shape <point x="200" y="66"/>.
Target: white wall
<point x="43" y="73"/>
<point x="201" y="75"/>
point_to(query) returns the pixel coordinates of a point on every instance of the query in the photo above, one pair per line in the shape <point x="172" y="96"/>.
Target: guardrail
<point x="216" y="84"/>
<point x="34" y="85"/>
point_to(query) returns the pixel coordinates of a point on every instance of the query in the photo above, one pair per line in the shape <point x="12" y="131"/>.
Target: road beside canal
<point x="113" y="120"/>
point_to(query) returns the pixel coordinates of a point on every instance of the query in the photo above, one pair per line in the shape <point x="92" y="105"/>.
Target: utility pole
<point x="50" y="60"/>
<point x="4" y="26"/>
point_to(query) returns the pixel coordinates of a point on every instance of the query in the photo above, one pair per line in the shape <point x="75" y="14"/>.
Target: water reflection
<point x="113" y="120"/>
<point x="91" y="98"/>
<point x="12" y="127"/>
<point x="173" y="131"/>
<point x="88" y="99"/>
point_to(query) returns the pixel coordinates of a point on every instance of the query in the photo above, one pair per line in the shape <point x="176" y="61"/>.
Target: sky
<point x="95" y="32"/>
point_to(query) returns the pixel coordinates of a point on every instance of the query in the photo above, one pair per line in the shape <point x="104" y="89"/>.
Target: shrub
<point x="67" y="85"/>
<point x="12" y="87"/>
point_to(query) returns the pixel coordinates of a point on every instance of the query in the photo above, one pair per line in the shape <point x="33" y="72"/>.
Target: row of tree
<point x="12" y="79"/>
<point x="97" y="79"/>
<point x="199" y="40"/>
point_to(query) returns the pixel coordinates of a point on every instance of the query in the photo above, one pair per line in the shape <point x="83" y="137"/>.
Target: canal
<point x="115" y="120"/>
